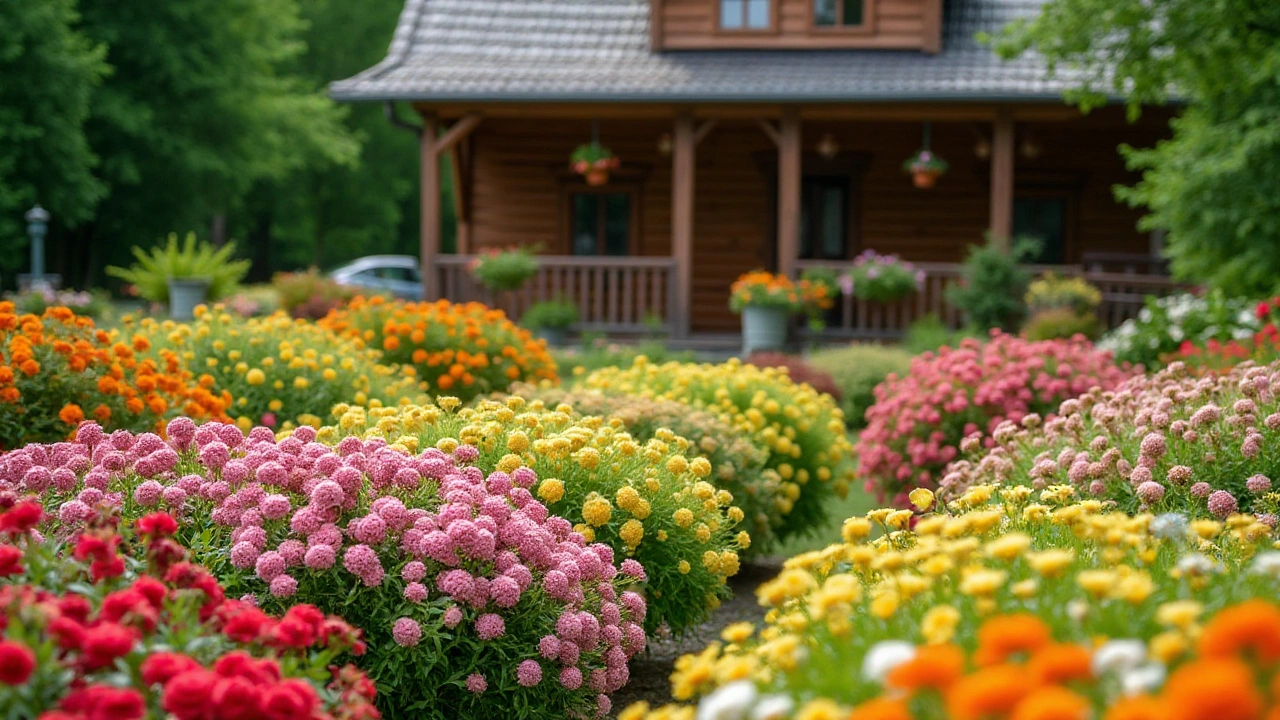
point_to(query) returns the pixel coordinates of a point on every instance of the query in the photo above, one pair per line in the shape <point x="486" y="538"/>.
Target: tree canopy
<point x="1214" y="186"/>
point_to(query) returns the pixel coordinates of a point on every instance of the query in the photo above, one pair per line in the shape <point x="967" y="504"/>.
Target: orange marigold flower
<point x="1219" y="689"/>
<point x="989" y="692"/>
<point x="157" y="405"/>
<point x="1052" y="703"/>
<point x="29" y="367"/>
<point x="71" y="414"/>
<point x="134" y="405"/>
<point x="934" y="667"/>
<point x="10" y="394"/>
<point x="6" y="374"/>
<point x="445" y="382"/>
<point x="391" y="343"/>
<point x="1250" y="629"/>
<point x="1060" y="663"/>
<point x="102" y="413"/>
<point x="881" y="709"/>
<point x="1005" y="636"/>
<point x="1138" y="707"/>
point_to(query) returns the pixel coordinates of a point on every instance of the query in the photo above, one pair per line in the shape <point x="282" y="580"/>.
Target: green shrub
<point x="1062" y="322"/>
<point x="505" y="269"/>
<point x="597" y="353"/>
<point x="558" y="314"/>
<point x="929" y="333"/>
<point x="192" y="259"/>
<point x="1052" y="292"/>
<point x="991" y="290"/>
<point x="856" y="370"/>
<point x="309" y="294"/>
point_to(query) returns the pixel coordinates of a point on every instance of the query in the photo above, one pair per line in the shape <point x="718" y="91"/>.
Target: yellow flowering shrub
<point x="1061" y="567"/>
<point x="646" y="500"/>
<point x="278" y="371"/>
<point x="462" y="350"/>
<point x="802" y="429"/>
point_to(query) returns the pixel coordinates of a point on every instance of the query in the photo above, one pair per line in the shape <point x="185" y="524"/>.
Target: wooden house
<point x="750" y="134"/>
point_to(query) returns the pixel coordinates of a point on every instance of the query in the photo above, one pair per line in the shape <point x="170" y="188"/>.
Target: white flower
<point x="1169" y="526"/>
<point x="730" y="702"/>
<point x="1142" y="679"/>
<point x="1144" y="315"/>
<point x="1118" y="656"/>
<point x="773" y="707"/>
<point x="1077" y="610"/>
<point x="1175" y="332"/>
<point x="1197" y="564"/>
<point x="1267" y="563"/>
<point x="884" y="656"/>
<point x="1242" y="333"/>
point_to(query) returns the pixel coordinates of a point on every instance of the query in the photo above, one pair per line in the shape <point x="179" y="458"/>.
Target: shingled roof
<point x="598" y="51"/>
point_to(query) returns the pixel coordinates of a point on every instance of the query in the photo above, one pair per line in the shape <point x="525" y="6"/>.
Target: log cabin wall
<point x="520" y="180"/>
<point x="889" y="24"/>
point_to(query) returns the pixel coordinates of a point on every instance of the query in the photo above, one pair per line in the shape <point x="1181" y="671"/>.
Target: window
<point x="838" y="13"/>
<point x="746" y="14"/>
<point x="824" y="218"/>
<point x="402" y="274"/>
<point x="1043" y="219"/>
<point x="600" y="223"/>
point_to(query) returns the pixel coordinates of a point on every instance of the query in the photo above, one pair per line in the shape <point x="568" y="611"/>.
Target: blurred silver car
<point x="397" y="275"/>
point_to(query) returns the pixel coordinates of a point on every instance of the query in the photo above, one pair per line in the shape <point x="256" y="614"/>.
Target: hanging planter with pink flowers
<point x="594" y="162"/>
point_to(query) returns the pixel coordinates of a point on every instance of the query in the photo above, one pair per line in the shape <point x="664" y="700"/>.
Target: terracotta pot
<point x="924" y="179"/>
<point x="596" y="177"/>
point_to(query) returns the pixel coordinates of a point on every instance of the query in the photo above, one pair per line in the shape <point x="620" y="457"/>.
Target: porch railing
<point x="1123" y="296"/>
<point x="613" y="294"/>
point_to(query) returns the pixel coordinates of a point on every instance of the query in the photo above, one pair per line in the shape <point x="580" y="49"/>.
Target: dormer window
<point x="746" y="14"/>
<point x="837" y="14"/>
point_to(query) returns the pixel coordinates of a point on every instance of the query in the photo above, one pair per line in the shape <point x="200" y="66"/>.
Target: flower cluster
<point x="57" y="369"/>
<point x="737" y="464"/>
<point x="881" y="278"/>
<point x="462" y="350"/>
<point x="1002" y="595"/>
<point x="647" y="501"/>
<point x="277" y="371"/>
<point x="156" y="634"/>
<point x="798" y="370"/>
<point x="919" y="419"/>
<point x="1164" y="442"/>
<point x="802" y="429"/>
<point x="765" y="289"/>
<point x="1262" y="346"/>
<point x="1165" y="323"/>
<point x="1053" y="292"/>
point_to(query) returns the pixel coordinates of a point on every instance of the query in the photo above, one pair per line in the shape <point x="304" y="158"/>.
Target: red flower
<point x="108" y="703"/>
<point x="160" y="668"/>
<point x="187" y="696"/>
<point x="75" y="607"/>
<point x="100" y="570"/>
<point x="104" y="643"/>
<point x="1263" y="309"/>
<point x="21" y="518"/>
<point x="131" y="607"/>
<point x="158" y="524"/>
<point x="95" y="547"/>
<point x="68" y="633"/>
<point x="338" y="635"/>
<point x="300" y="627"/>
<point x="10" y="561"/>
<point x="290" y="700"/>
<point x="242" y="622"/>
<point x="17" y="662"/>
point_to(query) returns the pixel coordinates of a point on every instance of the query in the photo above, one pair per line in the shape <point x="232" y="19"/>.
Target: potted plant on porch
<point x="505" y="270"/>
<point x="593" y="162"/>
<point x="881" y="278"/>
<point x="925" y="168"/>
<point x="183" y="275"/>
<point x="551" y="320"/>
<point x="766" y="302"/>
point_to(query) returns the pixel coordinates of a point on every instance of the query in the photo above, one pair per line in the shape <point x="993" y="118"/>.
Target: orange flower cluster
<point x="1020" y="673"/>
<point x="58" y="370"/>
<point x="458" y="349"/>
<point x="765" y="289"/>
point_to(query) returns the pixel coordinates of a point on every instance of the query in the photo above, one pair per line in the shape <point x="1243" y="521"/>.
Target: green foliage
<point x="1215" y="186"/>
<point x="559" y="314"/>
<point x="506" y="269"/>
<point x="151" y="273"/>
<point x="857" y="369"/>
<point x="929" y="333"/>
<point x="1164" y="324"/>
<point x="1060" y="322"/>
<point x="309" y="294"/>
<point x="1052" y="291"/>
<point x="990" y="293"/>
<point x="597" y="353"/>
<point x="882" y="278"/>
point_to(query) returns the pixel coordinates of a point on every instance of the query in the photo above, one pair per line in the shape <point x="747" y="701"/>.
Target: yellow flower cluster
<point x="278" y="371"/>
<point x="802" y="429"/>
<point x="646" y="500"/>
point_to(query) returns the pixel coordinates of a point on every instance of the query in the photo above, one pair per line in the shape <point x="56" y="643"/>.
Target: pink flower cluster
<point x="918" y="421"/>
<point x="302" y="517"/>
<point x="1165" y="442"/>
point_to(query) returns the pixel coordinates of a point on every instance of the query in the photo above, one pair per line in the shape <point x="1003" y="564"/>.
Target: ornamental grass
<point x="971" y="609"/>
<point x="104" y="625"/>
<point x="648" y="501"/>
<point x="462" y="350"/>
<point x="462" y="583"/>
<point x="737" y="464"/>
<point x="919" y="419"/>
<point x="1168" y="442"/>
<point x="277" y="371"/>
<point x="58" y="369"/>
<point x="802" y="429"/>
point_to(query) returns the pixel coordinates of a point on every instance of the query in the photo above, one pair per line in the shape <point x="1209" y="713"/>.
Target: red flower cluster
<point x="1262" y="347"/>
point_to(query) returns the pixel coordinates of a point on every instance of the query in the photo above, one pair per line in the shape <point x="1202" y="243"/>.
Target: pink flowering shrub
<point x="473" y="598"/>
<point x="919" y="419"/>
<point x="1169" y="442"/>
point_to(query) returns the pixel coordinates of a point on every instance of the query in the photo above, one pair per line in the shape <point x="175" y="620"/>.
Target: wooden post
<point x="789" y="193"/>
<point x="430" y="223"/>
<point x="1002" y="154"/>
<point x="682" y="195"/>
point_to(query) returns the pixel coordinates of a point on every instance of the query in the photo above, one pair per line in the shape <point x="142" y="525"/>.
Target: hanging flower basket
<point x="594" y="162"/>
<point x="925" y="168"/>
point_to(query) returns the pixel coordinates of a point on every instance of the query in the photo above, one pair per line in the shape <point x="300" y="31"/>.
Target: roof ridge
<point x="415" y="10"/>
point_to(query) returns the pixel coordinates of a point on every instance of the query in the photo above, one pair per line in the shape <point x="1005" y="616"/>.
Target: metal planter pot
<point x="184" y="295"/>
<point x="764" y="328"/>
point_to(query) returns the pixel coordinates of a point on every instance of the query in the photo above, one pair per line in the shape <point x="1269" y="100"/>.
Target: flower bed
<point x="919" y="419"/>
<point x="997" y="604"/>
<point x="802" y="429"/>
<point x="647" y="502"/>
<point x="1165" y="442"/>
<point x="89" y="632"/>
<point x="460" y="350"/>
<point x="277" y="371"/>
<point x="1166" y="323"/>
<point x="857" y="369"/>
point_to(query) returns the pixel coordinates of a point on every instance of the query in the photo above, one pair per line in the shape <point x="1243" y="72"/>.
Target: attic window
<point x="838" y="13"/>
<point x="746" y="14"/>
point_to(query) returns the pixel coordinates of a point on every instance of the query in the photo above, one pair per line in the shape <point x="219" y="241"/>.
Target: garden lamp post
<point x="37" y="227"/>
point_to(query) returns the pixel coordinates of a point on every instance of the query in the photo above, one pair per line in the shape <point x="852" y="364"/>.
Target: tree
<point x="1215" y="185"/>
<point x="49" y="70"/>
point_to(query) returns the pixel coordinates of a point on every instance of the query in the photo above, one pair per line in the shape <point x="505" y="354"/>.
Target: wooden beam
<point x="1002" y="156"/>
<point x="932" y="30"/>
<point x="655" y="25"/>
<point x="460" y="176"/>
<point x="769" y="130"/>
<point x="458" y="130"/>
<point x="429" y="171"/>
<point x="789" y="170"/>
<point x="682" y="194"/>
<point x="706" y="127"/>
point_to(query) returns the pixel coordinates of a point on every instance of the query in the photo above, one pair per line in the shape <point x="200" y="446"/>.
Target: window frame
<point x="614" y="187"/>
<point x="719" y="29"/>
<point x="866" y="27"/>
<point x="1069" y="199"/>
<point x="847" y="184"/>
